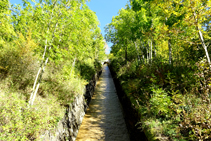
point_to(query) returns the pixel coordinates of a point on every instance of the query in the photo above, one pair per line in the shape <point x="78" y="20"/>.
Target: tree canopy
<point x="160" y="55"/>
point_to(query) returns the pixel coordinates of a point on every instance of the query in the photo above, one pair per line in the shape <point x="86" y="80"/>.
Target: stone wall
<point x="68" y="127"/>
<point x="131" y="115"/>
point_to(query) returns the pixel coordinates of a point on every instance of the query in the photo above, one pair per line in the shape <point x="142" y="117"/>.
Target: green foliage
<point x="18" y="122"/>
<point x="196" y="118"/>
<point x="160" y="103"/>
<point x="86" y="69"/>
<point x="158" y="54"/>
<point x="62" y="40"/>
<point x="170" y="99"/>
<point x="17" y="59"/>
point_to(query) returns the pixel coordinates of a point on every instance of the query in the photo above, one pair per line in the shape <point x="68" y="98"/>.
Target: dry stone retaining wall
<point x="68" y="127"/>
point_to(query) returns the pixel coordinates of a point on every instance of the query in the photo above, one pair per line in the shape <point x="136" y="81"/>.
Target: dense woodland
<point x="49" y="50"/>
<point x="160" y="54"/>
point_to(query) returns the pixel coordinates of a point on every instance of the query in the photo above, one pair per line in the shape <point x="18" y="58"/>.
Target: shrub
<point x="19" y="122"/>
<point x="160" y="103"/>
<point x="18" y="62"/>
<point x="173" y="101"/>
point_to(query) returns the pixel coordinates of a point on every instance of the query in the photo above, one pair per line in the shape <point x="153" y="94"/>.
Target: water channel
<point x="104" y="119"/>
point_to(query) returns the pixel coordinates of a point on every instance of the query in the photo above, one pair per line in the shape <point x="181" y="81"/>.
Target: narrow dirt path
<point x="104" y="118"/>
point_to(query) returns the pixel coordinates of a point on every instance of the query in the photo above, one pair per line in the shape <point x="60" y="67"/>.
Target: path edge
<point x="68" y="127"/>
<point x="131" y="116"/>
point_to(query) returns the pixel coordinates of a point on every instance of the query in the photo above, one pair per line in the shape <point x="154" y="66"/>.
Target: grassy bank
<point x="173" y="101"/>
<point x="18" y="120"/>
<point x="47" y="56"/>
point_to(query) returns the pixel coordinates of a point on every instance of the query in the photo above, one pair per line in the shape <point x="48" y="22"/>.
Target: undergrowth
<point x="18" y="68"/>
<point x="173" y="101"/>
<point x="19" y="122"/>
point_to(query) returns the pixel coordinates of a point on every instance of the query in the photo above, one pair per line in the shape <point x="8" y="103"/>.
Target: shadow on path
<point x="104" y="118"/>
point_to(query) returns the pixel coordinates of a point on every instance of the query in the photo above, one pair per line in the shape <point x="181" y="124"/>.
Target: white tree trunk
<point x="73" y="65"/>
<point x="151" y="50"/>
<point x="147" y="56"/>
<point x="35" y="82"/>
<point x="35" y="93"/>
<point x="137" y="51"/>
<point x="143" y="51"/>
<point x="205" y="47"/>
<point x="154" y="50"/>
<point x="202" y="39"/>
<point x="38" y="73"/>
<point x="170" y="52"/>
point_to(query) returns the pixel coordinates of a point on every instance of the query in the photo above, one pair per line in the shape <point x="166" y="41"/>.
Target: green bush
<point x="173" y="101"/>
<point x="18" y="68"/>
<point x="18" y="62"/>
<point x="160" y="103"/>
<point x="19" y="122"/>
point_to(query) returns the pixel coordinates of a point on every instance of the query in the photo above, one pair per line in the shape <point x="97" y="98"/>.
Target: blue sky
<point x="105" y="10"/>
